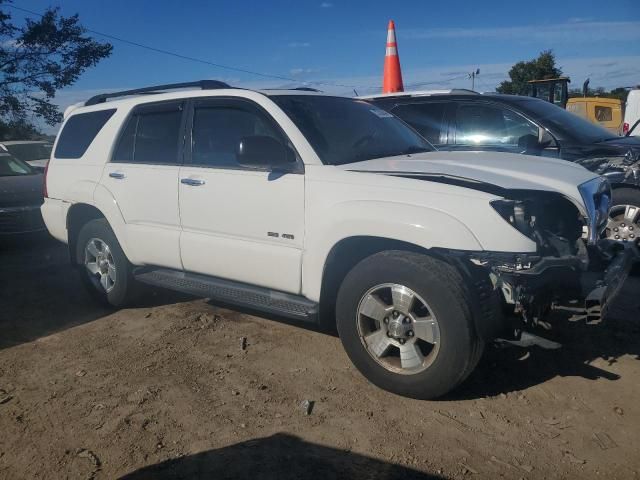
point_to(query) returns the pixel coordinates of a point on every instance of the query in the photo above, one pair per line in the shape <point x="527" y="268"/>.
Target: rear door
<point x="239" y="223"/>
<point x="143" y="178"/>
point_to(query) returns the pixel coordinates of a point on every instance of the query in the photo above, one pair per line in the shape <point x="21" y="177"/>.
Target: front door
<point x="482" y="126"/>
<point x="238" y="223"/>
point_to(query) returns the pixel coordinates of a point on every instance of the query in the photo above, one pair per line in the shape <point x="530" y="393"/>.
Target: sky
<point x="340" y="44"/>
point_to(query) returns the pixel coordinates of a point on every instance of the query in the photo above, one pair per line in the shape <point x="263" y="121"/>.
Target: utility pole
<point x="472" y="76"/>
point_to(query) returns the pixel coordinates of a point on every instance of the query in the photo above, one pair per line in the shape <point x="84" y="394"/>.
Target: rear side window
<point x="79" y="132"/>
<point x="426" y="118"/>
<point x="151" y="136"/>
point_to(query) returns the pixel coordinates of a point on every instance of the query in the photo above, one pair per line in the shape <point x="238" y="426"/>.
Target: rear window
<point x="79" y="132"/>
<point x="604" y="114"/>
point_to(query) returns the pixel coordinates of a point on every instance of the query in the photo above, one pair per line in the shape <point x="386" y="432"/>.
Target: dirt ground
<point x="165" y="390"/>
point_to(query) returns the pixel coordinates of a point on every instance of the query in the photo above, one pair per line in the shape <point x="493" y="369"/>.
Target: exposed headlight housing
<point x="554" y="222"/>
<point x="516" y="213"/>
<point x="596" y="195"/>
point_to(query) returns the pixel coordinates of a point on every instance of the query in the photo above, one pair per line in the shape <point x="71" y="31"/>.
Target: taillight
<point x="625" y="128"/>
<point x="44" y="184"/>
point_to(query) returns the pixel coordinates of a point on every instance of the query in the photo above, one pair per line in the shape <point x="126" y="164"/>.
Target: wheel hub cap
<point x="100" y="265"/>
<point x="398" y="329"/>
<point x="624" y="223"/>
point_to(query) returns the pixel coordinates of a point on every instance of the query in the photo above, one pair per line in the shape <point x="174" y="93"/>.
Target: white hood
<point x="506" y="170"/>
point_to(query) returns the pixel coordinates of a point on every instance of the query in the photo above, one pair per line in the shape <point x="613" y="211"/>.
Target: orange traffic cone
<point x="392" y="79"/>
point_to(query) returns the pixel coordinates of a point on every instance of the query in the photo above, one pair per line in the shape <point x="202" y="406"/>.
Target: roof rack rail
<point x="306" y="89"/>
<point x="420" y="93"/>
<point x="202" y="84"/>
<point x="464" y="91"/>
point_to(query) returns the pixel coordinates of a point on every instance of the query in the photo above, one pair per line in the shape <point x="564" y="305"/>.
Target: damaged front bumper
<point x="530" y="285"/>
<point x="622" y="258"/>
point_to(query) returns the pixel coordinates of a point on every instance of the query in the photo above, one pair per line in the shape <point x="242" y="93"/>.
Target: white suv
<point x="322" y="209"/>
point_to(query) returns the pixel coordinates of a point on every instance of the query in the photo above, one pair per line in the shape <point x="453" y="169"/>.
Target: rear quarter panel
<point x="74" y="181"/>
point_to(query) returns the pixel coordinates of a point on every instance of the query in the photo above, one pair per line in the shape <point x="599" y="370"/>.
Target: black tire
<point x="124" y="289"/>
<point x="447" y="294"/>
<point x="626" y="196"/>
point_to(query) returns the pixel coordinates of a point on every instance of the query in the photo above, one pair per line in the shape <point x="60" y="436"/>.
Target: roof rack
<point x="202" y="84"/>
<point x="418" y="93"/>
<point x="306" y="89"/>
<point x="464" y="91"/>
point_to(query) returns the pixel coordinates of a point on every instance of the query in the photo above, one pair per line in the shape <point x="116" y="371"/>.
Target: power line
<point x="437" y="82"/>
<point x="237" y="69"/>
<point x="194" y="59"/>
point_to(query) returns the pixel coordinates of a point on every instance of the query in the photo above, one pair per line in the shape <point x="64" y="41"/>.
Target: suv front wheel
<point x="104" y="268"/>
<point x="405" y="321"/>
<point x="624" y="216"/>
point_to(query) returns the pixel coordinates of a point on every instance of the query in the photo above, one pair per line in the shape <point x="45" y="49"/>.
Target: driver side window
<point x="218" y="129"/>
<point x="489" y="125"/>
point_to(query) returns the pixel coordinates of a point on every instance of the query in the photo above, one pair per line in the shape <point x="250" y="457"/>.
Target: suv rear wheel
<point x="105" y="270"/>
<point x="405" y="321"/>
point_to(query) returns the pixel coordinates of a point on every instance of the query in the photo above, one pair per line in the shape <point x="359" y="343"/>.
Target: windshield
<point x="570" y="124"/>
<point x="344" y="130"/>
<point x="10" y="167"/>
<point x="30" y="151"/>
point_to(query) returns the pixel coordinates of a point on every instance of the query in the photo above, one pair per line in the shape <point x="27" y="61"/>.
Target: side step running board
<point x="226" y="291"/>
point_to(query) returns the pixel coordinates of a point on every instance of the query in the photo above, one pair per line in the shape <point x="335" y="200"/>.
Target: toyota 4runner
<point x="329" y="210"/>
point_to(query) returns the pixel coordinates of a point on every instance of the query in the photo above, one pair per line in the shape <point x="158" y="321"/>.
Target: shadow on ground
<point x="41" y="294"/>
<point x="504" y="370"/>
<point x="277" y="457"/>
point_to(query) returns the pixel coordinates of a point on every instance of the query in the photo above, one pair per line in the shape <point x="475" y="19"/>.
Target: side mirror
<point x="259" y="151"/>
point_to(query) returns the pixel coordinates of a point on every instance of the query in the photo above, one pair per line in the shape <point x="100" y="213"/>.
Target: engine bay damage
<point x="571" y="267"/>
<point x="530" y="286"/>
<point x="565" y="270"/>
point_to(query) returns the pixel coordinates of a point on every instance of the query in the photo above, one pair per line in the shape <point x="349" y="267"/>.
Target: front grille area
<point x="21" y="220"/>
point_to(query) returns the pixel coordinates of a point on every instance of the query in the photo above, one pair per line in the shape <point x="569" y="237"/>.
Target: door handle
<point x="194" y="182"/>
<point x="117" y="175"/>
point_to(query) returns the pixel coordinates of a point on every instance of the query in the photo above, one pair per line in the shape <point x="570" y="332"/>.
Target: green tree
<point x="619" y="93"/>
<point x="18" y="130"/>
<point x="37" y="59"/>
<point x="540" y="68"/>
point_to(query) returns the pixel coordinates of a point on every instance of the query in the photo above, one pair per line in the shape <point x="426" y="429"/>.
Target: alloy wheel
<point x="99" y="262"/>
<point x="624" y="223"/>
<point x="398" y="328"/>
